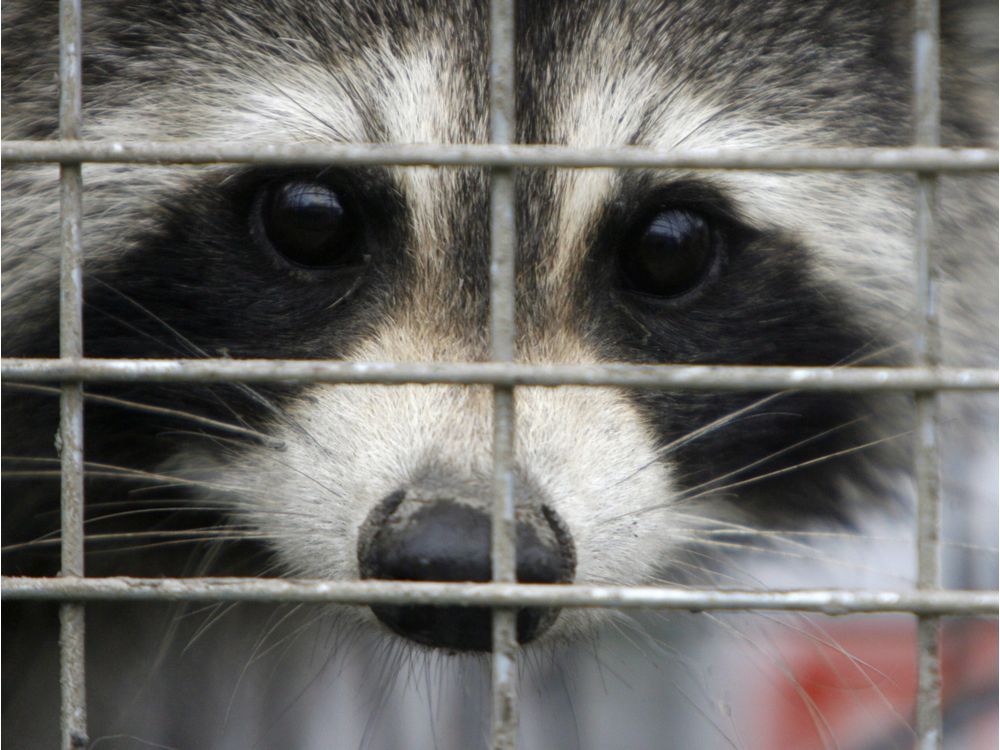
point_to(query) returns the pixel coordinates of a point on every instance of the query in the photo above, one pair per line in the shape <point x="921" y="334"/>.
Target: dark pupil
<point x="671" y="256"/>
<point x="306" y="223"/>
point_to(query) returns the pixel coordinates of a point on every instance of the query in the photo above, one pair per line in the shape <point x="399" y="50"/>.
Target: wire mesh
<point x="927" y="106"/>
<point x="503" y="232"/>
<point x="929" y="602"/>
<point x="70" y="441"/>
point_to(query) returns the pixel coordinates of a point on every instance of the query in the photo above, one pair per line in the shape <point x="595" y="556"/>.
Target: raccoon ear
<point x="308" y="224"/>
<point x="670" y="254"/>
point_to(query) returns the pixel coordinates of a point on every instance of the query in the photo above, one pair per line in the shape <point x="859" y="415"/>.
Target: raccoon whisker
<point x="769" y="457"/>
<point x="741" y="546"/>
<point x="150" y="409"/>
<point x="164" y="481"/>
<point x="809" y="554"/>
<point x="350" y="290"/>
<point x="191" y="347"/>
<point x="713" y="558"/>
<point x="732" y="530"/>
<point x="182" y="508"/>
<point x="381" y="682"/>
<point x="197" y="535"/>
<point x="175" y="543"/>
<point x="98" y="741"/>
<point x="94" y="469"/>
<point x="268" y="571"/>
<point x="92" y="474"/>
<point x="432" y="714"/>
<point x="760" y="477"/>
<point x="173" y="510"/>
<point x="252" y="490"/>
<point x="205" y="532"/>
<point x="702" y="545"/>
<point x="257" y="652"/>
<point x="683" y="567"/>
<point x="724" y="526"/>
<point x="216" y="613"/>
<point x="222" y="440"/>
<point x="574" y="720"/>
<point x="155" y="505"/>
<point x="177" y="616"/>
<point x="289" y="641"/>
<point x="626" y="634"/>
<point x="717" y="577"/>
<point x="860" y="355"/>
<point x="204" y="505"/>
<point x="603" y="667"/>
<point x="718" y="423"/>
<point x="329" y="490"/>
<point x="728" y="530"/>
<point x="178" y="351"/>
<point x="866" y="538"/>
<point x="661" y="649"/>
<point x="664" y="450"/>
<point x="861" y="666"/>
<point x="788" y="536"/>
<point x="776" y="454"/>
<point x="822" y="726"/>
<point x="800" y="465"/>
<point x="31" y="474"/>
<point x="172" y="483"/>
<point x="391" y="667"/>
<point x="733" y="416"/>
<point x="813" y="631"/>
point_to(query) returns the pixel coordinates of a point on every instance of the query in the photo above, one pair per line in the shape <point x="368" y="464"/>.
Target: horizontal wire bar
<point x="826" y="601"/>
<point x="913" y="159"/>
<point x="685" y="377"/>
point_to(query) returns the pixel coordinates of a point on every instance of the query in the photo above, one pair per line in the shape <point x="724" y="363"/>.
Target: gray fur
<point x="696" y="73"/>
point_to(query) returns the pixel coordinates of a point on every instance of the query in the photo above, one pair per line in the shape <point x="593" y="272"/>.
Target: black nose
<point x="407" y="539"/>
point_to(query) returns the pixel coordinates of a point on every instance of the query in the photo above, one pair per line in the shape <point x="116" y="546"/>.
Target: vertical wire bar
<point x="73" y="717"/>
<point x="927" y="111"/>
<point x="502" y="274"/>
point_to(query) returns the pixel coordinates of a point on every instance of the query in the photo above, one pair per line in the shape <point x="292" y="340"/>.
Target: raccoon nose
<point x="441" y="539"/>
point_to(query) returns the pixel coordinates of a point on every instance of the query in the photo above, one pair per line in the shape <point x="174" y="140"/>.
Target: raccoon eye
<point x="308" y="224"/>
<point x="672" y="254"/>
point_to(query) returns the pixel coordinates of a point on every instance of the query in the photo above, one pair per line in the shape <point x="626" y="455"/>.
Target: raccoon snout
<point x="412" y="538"/>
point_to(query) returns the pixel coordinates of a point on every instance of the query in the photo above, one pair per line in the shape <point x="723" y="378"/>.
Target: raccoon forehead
<point x="610" y="83"/>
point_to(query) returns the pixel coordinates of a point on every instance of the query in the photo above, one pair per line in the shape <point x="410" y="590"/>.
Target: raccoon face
<point x="380" y="264"/>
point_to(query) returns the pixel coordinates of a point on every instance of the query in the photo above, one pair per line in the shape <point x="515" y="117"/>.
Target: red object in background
<point x="851" y="684"/>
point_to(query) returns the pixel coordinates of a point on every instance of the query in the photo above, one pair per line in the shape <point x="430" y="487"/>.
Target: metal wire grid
<point x="927" y="110"/>
<point x="72" y="677"/>
<point x="928" y="602"/>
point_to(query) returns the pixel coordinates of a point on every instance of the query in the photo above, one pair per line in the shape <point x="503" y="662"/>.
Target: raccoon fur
<point x="391" y="264"/>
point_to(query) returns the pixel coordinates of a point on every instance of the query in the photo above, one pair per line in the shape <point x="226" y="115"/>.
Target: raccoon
<point x="392" y="263"/>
